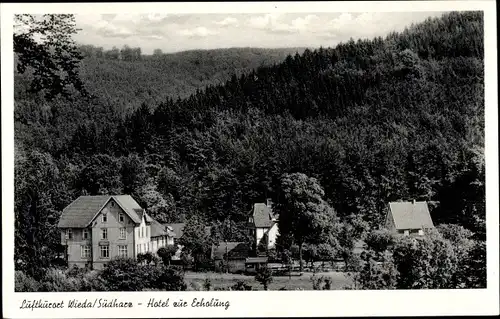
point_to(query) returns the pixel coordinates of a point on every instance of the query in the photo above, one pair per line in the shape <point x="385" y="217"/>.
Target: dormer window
<point x="104" y="217"/>
<point x="250" y="220"/>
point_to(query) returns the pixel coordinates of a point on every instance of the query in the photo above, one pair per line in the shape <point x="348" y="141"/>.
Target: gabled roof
<point x="158" y="229"/>
<point x="262" y="215"/>
<point x="82" y="210"/>
<point x="235" y="250"/>
<point x="411" y="215"/>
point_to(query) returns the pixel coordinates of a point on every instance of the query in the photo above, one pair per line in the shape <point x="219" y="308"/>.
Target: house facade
<point x="408" y="218"/>
<point x="95" y="229"/>
<point x="263" y="225"/>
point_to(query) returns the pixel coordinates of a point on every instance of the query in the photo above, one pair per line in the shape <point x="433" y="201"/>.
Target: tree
<point x="44" y="45"/>
<point x="377" y="274"/>
<point x="303" y="213"/>
<point x="264" y="276"/>
<point x="157" y="52"/>
<point x="122" y="274"/>
<point x="379" y="240"/>
<point x="40" y="197"/>
<point x="166" y="254"/>
<point x="196" y="240"/>
<point x="427" y="262"/>
<point x="133" y="174"/>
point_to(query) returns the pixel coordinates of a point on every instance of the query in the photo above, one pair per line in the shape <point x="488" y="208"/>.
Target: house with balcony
<point x="408" y="218"/>
<point x="95" y="229"/>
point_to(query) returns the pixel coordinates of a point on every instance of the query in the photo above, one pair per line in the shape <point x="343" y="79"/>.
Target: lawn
<point x="195" y="281"/>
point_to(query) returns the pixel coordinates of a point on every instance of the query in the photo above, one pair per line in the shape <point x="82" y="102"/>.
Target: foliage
<point x="427" y="262"/>
<point x="303" y="213"/>
<point x="372" y="121"/>
<point x="379" y="240"/>
<point x="377" y="274"/>
<point x="321" y="282"/>
<point x="44" y="45"/>
<point x="264" y="276"/>
<point x="196" y="240"/>
<point x="122" y="274"/>
<point x="23" y="282"/>
<point x="166" y="253"/>
<point x="241" y="285"/>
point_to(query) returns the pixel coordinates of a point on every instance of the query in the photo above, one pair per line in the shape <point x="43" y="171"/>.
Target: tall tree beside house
<point x="44" y="45"/>
<point x="195" y="240"/>
<point x="303" y="213"/>
<point x="40" y="196"/>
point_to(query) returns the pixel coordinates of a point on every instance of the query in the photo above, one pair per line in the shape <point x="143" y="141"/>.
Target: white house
<point x="263" y="224"/>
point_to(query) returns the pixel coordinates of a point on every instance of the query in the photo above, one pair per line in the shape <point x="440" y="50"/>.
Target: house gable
<point x="410" y="215"/>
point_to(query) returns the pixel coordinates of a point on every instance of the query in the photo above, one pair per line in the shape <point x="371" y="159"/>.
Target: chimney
<point x="269" y="203"/>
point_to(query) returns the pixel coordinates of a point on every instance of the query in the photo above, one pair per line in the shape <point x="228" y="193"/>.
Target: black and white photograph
<point x="247" y="151"/>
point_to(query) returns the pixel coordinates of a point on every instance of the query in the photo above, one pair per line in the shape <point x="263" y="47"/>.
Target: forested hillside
<point x="125" y="78"/>
<point x="386" y="119"/>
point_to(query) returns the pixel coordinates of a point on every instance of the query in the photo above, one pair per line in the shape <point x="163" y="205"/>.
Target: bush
<point x="321" y="283"/>
<point x="25" y="283"/>
<point x="379" y="240"/>
<point x="240" y="285"/>
<point x="122" y="274"/>
<point x="264" y="276"/>
<point x="207" y="284"/>
<point x="166" y="253"/>
<point x="57" y="280"/>
<point x="171" y="279"/>
<point x="428" y="262"/>
<point x="376" y="275"/>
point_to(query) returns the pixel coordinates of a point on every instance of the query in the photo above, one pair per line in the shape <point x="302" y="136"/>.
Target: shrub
<point x="57" y="280"/>
<point x="376" y="275"/>
<point x="25" y="283"/>
<point x="171" y="279"/>
<point x="122" y="274"/>
<point x="207" y="284"/>
<point x="379" y="240"/>
<point x="428" y="262"/>
<point x="321" y="283"/>
<point x="166" y="253"/>
<point x="241" y="285"/>
<point x="264" y="276"/>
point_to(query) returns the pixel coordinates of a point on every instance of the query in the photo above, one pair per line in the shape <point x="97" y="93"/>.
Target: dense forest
<point x="379" y="120"/>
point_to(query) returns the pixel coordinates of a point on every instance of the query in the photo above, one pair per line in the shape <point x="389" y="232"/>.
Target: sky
<point x="180" y="32"/>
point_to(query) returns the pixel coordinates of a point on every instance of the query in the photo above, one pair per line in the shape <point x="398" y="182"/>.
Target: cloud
<point x="198" y="32"/>
<point x="274" y="23"/>
<point x="152" y="37"/>
<point x="111" y="30"/>
<point x="229" y="21"/>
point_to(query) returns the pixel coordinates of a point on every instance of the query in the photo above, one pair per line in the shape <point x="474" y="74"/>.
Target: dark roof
<point x="236" y="250"/>
<point x="158" y="229"/>
<point x="411" y="215"/>
<point x="83" y="209"/>
<point x="262" y="215"/>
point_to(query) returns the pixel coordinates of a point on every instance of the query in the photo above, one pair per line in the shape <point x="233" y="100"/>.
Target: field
<point x="195" y="281"/>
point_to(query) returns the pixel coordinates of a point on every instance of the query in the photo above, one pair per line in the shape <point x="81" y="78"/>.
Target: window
<point x="85" y="234"/>
<point x="112" y="204"/>
<point x="420" y="232"/>
<point x="123" y="233"/>
<point x="85" y="253"/>
<point x="121" y="217"/>
<point x="138" y="249"/>
<point x="104" y="251"/>
<point x="122" y="251"/>
<point x="406" y="233"/>
<point x="147" y="247"/>
<point x="104" y="217"/>
<point x="104" y="233"/>
<point x="69" y="233"/>
<point x="147" y="232"/>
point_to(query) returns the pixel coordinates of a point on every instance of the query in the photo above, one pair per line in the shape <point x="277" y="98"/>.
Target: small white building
<point x="263" y="224"/>
<point x="408" y="218"/>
